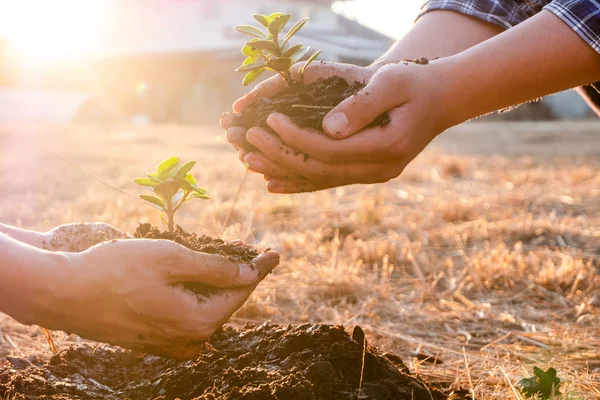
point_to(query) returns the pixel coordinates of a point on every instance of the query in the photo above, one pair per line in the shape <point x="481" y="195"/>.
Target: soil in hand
<point x="266" y="362"/>
<point x="306" y="105"/>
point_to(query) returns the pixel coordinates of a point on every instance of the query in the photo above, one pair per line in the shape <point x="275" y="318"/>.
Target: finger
<point x="226" y="120"/>
<point x="381" y="94"/>
<point x="257" y="162"/>
<point x="283" y="186"/>
<point x="237" y="137"/>
<point x="266" y="88"/>
<point x="242" y="154"/>
<point x="374" y="144"/>
<point x="272" y="147"/>
<point x="210" y="269"/>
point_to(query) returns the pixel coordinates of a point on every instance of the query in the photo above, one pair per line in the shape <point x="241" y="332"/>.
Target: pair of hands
<point x="303" y="160"/>
<point x="128" y="292"/>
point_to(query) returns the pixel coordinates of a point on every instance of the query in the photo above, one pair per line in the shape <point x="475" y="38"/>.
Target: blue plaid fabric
<point x="583" y="16"/>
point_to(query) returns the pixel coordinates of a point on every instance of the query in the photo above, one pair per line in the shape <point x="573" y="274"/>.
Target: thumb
<point x="382" y="93"/>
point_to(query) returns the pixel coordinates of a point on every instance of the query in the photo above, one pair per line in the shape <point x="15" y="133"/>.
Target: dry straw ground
<point x="483" y="255"/>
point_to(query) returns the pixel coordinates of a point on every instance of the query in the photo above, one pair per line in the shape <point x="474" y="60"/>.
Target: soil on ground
<point x="320" y="97"/>
<point x="264" y="362"/>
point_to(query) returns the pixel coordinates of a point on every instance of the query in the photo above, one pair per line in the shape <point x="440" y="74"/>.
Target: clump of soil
<point x="236" y="252"/>
<point x="252" y="363"/>
<point x="320" y="97"/>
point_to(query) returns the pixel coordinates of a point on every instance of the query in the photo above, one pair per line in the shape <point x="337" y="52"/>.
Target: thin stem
<point x="170" y="214"/>
<point x="312" y="107"/>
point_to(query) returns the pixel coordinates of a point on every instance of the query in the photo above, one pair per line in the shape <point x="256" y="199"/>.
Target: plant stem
<point x="170" y="214"/>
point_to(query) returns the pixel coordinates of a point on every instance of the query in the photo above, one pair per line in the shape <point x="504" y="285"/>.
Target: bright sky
<point x="70" y="29"/>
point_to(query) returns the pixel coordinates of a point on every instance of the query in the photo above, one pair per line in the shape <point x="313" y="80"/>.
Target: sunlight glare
<point x="44" y="30"/>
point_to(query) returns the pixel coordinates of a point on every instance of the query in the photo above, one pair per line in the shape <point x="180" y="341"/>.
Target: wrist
<point x="28" y="281"/>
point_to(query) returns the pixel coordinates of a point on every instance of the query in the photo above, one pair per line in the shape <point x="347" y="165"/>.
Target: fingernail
<point x="336" y="123"/>
<point x="248" y="274"/>
<point x="273" y="122"/>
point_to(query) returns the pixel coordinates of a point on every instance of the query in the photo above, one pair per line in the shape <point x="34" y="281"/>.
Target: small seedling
<point x="172" y="186"/>
<point x="269" y="51"/>
<point x="546" y="384"/>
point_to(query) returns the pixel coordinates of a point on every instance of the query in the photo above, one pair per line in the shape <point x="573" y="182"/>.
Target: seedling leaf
<point x="298" y="56"/>
<point x="312" y="58"/>
<point x="264" y="45"/>
<point x="200" y="196"/>
<point x="166" y="168"/>
<point x="278" y="23"/>
<point x="252" y="76"/>
<point x="275" y="15"/>
<point x="294" y="30"/>
<point x="155" y="201"/>
<point x="263" y="19"/>
<point x="149" y="183"/>
<point x="250" y="67"/>
<point x="247" y="50"/>
<point x="185" y="169"/>
<point x="190" y="178"/>
<point x="292" y="50"/>
<point x="167" y="190"/>
<point x="251" y="31"/>
<point x="280" y="64"/>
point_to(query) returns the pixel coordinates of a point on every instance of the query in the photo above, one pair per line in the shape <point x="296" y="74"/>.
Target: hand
<point x="129" y="293"/>
<point x="318" y="70"/>
<point x="300" y="160"/>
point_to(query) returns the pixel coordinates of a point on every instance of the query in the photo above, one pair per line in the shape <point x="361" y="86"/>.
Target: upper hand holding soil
<point x="130" y="293"/>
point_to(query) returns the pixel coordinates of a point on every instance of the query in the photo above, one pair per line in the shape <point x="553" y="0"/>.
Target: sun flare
<point x="42" y="30"/>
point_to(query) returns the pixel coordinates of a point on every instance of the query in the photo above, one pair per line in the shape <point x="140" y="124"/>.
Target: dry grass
<point x="484" y="255"/>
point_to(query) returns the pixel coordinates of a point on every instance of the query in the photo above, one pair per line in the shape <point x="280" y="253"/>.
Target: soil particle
<point x="306" y="106"/>
<point x="267" y="362"/>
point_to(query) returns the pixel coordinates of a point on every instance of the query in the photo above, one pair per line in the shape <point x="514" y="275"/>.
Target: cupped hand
<point x="302" y="160"/>
<point x="130" y="293"/>
<point x="317" y="70"/>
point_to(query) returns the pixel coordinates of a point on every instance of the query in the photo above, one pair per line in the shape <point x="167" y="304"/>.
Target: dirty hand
<point x="129" y="293"/>
<point x="303" y="160"/>
<point x="318" y="70"/>
<point x="73" y="237"/>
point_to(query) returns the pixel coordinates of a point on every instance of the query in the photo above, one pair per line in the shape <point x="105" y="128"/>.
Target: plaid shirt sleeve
<point x="583" y="16"/>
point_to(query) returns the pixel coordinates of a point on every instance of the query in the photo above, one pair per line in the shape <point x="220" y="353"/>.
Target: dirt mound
<point x="265" y="362"/>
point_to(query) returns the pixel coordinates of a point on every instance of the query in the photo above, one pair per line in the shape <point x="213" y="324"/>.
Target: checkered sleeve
<point x="583" y="16"/>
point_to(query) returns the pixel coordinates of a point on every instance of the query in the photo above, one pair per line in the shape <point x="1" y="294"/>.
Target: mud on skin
<point x="267" y="362"/>
<point x="326" y="93"/>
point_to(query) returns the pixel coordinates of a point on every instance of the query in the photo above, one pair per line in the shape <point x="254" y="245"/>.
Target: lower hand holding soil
<point x="131" y="292"/>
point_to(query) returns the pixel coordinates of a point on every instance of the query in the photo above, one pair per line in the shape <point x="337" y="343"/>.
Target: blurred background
<point x="173" y="61"/>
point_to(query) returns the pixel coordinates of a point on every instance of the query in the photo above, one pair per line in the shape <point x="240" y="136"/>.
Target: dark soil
<point x="326" y="93"/>
<point x="265" y="362"/>
<point x="236" y="252"/>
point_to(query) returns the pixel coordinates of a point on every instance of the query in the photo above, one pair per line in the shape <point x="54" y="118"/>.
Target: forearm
<point x="24" y="283"/>
<point x="31" y="238"/>
<point x="538" y="57"/>
<point x="439" y="34"/>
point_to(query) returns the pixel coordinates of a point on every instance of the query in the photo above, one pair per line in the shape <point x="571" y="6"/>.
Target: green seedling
<point x="172" y="185"/>
<point x="544" y="383"/>
<point x="270" y="50"/>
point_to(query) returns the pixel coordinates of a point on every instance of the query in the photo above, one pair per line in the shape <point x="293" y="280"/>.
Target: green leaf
<point x="147" y="182"/>
<point x="177" y="198"/>
<point x="264" y="45"/>
<point x="294" y="30"/>
<point x="155" y="201"/>
<point x="276" y="15"/>
<point x="168" y="189"/>
<point x="152" y="175"/>
<point x="252" y="76"/>
<point x="190" y="178"/>
<point x="292" y="50"/>
<point x="298" y="56"/>
<point x="185" y="169"/>
<point x="166" y="168"/>
<point x="247" y="50"/>
<point x="197" y="195"/>
<point x="312" y="58"/>
<point x="250" y="67"/>
<point x="251" y="31"/>
<point x="263" y="19"/>
<point x="280" y="64"/>
<point x="250" y="60"/>
<point x="278" y="24"/>
<point x="543" y="383"/>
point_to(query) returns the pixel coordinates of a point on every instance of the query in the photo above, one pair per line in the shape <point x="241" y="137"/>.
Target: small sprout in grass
<point x="546" y="384"/>
<point x="270" y="50"/>
<point x="172" y="184"/>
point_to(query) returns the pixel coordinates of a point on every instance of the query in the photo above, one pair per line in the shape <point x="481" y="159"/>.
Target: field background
<point x="484" y="255"/>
